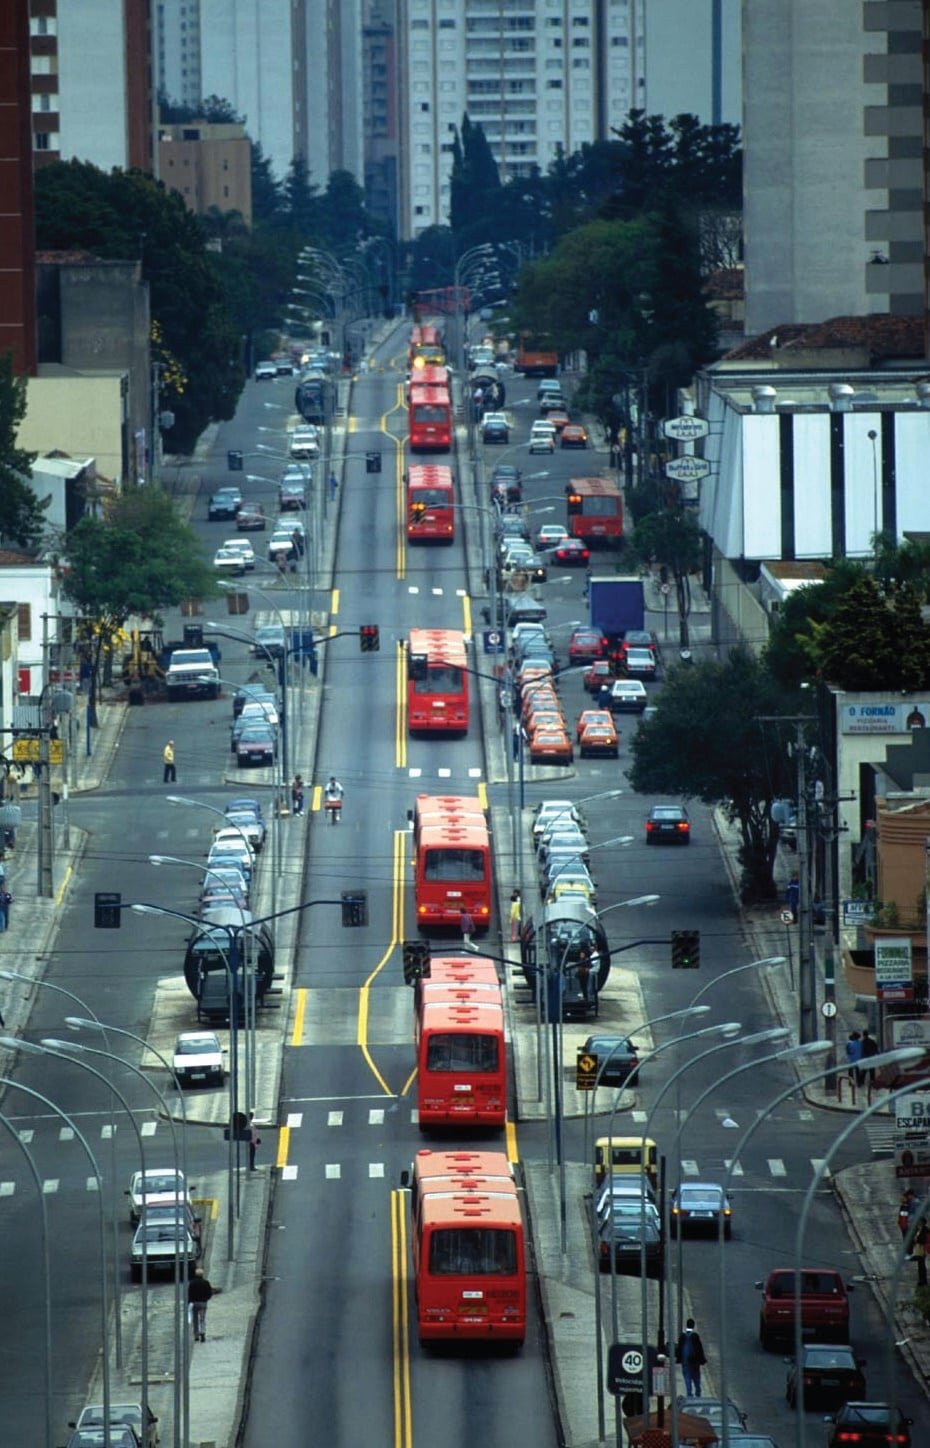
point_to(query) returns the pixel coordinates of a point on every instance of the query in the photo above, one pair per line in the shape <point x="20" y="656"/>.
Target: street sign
<point x="687" y="469"/>
<point x="912" y="1113"/>
<point x="586" y="1064"/>
<point x="26" y="751"/>
<point x="787" y="917"/>
<point x="912" y="1159"/>
<point x="625" y="1366"/>
<point x="493" y="641"/>
<point x="686" y="429"/>
<point x="894" y="975"/>
<point x="857" y="912"/>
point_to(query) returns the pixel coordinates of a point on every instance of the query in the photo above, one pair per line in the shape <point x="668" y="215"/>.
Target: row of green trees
<point x="714" y="734"/>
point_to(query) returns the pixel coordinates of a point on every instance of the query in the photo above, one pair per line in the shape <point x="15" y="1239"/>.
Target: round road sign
<point x="828" y="1010"/>
<point x="787" y="917"/>
<point x="632" y="1362"/>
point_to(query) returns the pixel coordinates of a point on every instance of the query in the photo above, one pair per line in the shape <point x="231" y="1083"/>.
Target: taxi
<point x="571" y="885"/>
<point x="539" y="698"/>
<point x="601" y="739"/>
<point x="592" y="716"/>
<point x="544" y="719"/>
<point x="551" y="746"/>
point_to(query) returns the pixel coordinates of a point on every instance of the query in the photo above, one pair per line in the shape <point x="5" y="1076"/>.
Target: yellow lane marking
<point x="60" y="894"/>
<point x="400" y="1325"/>
<point x="466" y="616"/>
<point x="409" y="1081"/>
<point x="300" y="1010"/>
<point x="397" y="916"/>
<point x="353" y="422"/>
<point x="510" y="1137"/>
<point x="483" y="794"/>
<point x="400" y="708"/>
<point x="334" y="602"/>
<point x="316" y="799"/>
<point x="284" y="1141"/>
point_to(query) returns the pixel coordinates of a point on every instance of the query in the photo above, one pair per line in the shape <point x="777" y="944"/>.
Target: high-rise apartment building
<point x="17" y="237"/>
<point x="91" y="82"/>
<point x="539" y="75"/>
<point x="836" y="163"/>
<point x="178" y="43"/>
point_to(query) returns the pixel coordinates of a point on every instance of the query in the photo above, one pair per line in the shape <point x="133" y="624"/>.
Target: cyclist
<point x="333" y="798"/>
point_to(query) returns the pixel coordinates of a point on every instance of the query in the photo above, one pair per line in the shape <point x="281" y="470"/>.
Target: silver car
<point x="128" y="1414"/>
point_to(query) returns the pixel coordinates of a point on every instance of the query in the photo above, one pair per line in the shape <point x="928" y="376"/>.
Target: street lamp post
<point x="79" y="1023"/>
<point x="903" y="1055"/>
<point x="15" y="975"/>
<point x="46" y="1268"/>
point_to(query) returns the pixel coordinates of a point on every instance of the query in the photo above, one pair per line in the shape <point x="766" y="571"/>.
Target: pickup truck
<point x="192" y="673"/>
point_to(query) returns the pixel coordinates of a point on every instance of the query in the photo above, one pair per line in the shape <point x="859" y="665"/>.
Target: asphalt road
<point x="329" y="1350"/>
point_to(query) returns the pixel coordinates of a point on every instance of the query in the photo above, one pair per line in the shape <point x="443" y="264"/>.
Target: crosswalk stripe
<point x="777" y="1166"/>
<point x="375" y="1169"/>
<point x="733" y="1170"/>
<point x="66" y="1133"/>
<point x="295" y="1119"/>
<point x="26" y="1136"/>
<point x="333" y="1171"/>
<point x="289" y="1173"/>
<point x="689" y="1168"/>
<point x="7" y="1189"/>
<point x="50" y="1186"/>
<point x="334" y="1118"/>
<point x="817" y="1162"/>
<point x="92" y="1184"/>
<point x="376" y="1116"/>
<point x="148" y="1128"/>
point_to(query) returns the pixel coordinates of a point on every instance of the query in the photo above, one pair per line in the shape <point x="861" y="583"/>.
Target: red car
<point x="571" y="554"/>
<point x="600" y="672"/>
<point x="586" y="643"/>
<point x="574" y="435"/>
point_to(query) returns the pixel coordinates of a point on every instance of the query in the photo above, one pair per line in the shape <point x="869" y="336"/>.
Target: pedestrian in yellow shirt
<point x="171" y="773"/>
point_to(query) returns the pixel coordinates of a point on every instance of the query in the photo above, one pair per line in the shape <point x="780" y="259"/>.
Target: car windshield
<point x="163" y="1182"/>
<point x="197" y="1045"/>
<point x="828" y="1357"/>
<point x="168" y="1231"/>
<point x="254" y="734"/>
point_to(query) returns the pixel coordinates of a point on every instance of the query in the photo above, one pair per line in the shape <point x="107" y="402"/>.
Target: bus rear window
<point x="458" y="1052"/>
<point x="440" y="679"/>
<point x="429" y="412"/>
<point x="452" y="864"/>
<point x="475" y="1251"/>
<point x="430" y="497"/>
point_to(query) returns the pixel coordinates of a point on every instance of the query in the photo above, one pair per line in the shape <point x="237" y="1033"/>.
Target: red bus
<point x="429" y="418"/>
<point x="469" y="1249"/>
<point x="452" y="861"/>
<point x="426" y="348"/>
<point x="437" y="681"/>
<point x="461" y="1056"/>
<point x="455" y="970"/>
<point x="595" y="511"/>
<point x="430" y="503"/>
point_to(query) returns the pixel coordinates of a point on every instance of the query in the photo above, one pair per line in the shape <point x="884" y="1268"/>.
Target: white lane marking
<point x="108" y="1131"/>
<point x="295" y="1119"/>
<point x="736" y="1170"/>
<point x="777" y="1166"/>
<point x="376" y="1116"/>
<point x="148" y="1128"/>
<point x="92" y="1184"/>
<point x="817" y="1162"/>
<point x="289" y="1173"/>
<point x="444" y="773"/>
<point x="333" y="1171"/>
<point x="7" y="1189"/>
<point x="690" y="1168"/>
<point x="474" y="774"/>
<point x="334" y="1118"/>
<point x="50" y="1186"/>
<point x="66" y="1133"/>
<point x="375" y="1169"/>
<point x="26" y="1136"/>
<point x="414" y="1117"/>
<point x="414" y="773"/>
<point x="639" y="1116"/>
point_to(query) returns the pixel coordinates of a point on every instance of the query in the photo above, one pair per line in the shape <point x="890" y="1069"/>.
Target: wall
<point x="81" y="415"/>
<point x="902" y="830"/>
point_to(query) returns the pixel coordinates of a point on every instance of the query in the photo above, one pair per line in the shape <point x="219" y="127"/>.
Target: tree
<point x="124" y="214"/>
<point x="707" y="740"/>
<point x="474" y="183"/>
<point x="21" y="512"/>
<point x="142" y="558"/>
<point x="873" y="643"/>
<point x="672" y="538"/>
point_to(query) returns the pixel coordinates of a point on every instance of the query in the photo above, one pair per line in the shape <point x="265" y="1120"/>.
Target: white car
<point x="542" y="437"/>
<point x="265" y="372"/>
<point x="627" y="696"/>
<point x="260" y="711"/>
<point x="120" y="1414"/>
<point x="229" y="561"/>
<point x="554" y="812"/>
<point x="157" y="1243"/>
<point x="550" y="535"/>
<point x="198" y="1059"/>
<point x="155" y="1187"/>
<point x="242" y="546"/>
<point x="305" y="443"/>
<point x="229" y="841"/>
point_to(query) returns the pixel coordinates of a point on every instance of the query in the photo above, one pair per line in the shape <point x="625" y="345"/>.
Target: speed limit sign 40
<point x="625" y="1361"/>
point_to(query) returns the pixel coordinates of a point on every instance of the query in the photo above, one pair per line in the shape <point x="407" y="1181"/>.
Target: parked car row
<point x="562" y="853"/>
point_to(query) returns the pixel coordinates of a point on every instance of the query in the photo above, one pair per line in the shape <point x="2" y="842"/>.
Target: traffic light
<point x="369" y="638"/>
<point x="417" y="667"/>
<point x="354" y="907"/>
<point x="416" y="961"/>
<point x="686" y="949"/>
<point x="107" y="912"/>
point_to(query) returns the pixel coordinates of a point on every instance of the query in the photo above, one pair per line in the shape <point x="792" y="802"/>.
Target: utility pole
<point x="45" y="884"/>
<point x="806" y="988"/>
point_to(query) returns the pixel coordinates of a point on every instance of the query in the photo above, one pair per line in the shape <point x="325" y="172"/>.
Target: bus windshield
<point x="478" y="1251"/>
<point x="430" y="497"/>
<point x="461" y="1052"/>
<point x="429" y="412"/>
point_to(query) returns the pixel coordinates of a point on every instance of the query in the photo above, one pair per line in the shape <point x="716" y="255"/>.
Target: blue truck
<point x="617" y="604"/>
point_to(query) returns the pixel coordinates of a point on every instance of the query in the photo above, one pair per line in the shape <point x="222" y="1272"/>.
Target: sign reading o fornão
<point x="686" y="429"/>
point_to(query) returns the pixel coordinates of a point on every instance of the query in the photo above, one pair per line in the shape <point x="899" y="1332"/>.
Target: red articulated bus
<point x="430" y="503"/>
<point x="461" y="1057"/>
<point x="426" y="347"/>
<point x="437" y="681"/>
<point x="469" y="1248"/>
<point x="452" y="862"/>
<point x="429" y="418"/>
<point x="595" y="511"/>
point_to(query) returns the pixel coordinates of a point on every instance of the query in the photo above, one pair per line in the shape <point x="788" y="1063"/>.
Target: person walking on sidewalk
<point x="466" y="925"/>
<point x="6" y="900"/>
<point x="515" y="910"/>
<point x="297" y="795"/>
<point x="907" y="1207"/>
<point x="167" y="754"/>
<point x="689" y="1351"/>
<point x="854" y="1056"/>
<point x="199" y="1292"/>
<point x="255" y="1140"/>
<point x="869" y="1049"/>
<point x="919" y="1244"/>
